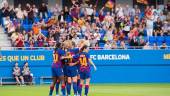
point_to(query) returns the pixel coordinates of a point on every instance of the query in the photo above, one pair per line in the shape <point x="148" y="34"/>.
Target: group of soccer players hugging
<point x="71" y="67"/>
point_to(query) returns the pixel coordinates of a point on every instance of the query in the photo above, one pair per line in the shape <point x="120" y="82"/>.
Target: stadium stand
<point x="124" y="27"/>
<point x="133" y="26"/>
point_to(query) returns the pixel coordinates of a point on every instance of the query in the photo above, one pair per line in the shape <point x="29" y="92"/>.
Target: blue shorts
<point x="85" y="75"/>
<point x="78" y="67"/>
<point x="65" y="70"/>
<point x="72" y="71"/>
<point x="57" y="72"/>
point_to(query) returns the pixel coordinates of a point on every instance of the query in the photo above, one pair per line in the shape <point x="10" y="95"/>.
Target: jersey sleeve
<point x="61" y="52"/>
<point x="87" y="56"/>
<point x="76" y="56"/>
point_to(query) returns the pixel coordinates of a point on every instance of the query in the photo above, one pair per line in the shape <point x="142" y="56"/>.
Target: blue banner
<point x="130" y="57"/>
<point x="34" y="58"/>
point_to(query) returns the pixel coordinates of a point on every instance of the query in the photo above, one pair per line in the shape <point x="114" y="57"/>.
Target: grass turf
<point x="95" y="90"/>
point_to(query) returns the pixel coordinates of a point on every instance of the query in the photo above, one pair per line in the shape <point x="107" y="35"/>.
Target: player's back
<point x="57" y="58"/>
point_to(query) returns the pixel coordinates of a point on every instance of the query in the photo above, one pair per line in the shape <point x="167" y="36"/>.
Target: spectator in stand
<point x="36" y="29"/>
<point x="30" y="13"/>
<point x="19" y="28"/>
<point x="31" y="44"/>
<point x="56" y="10"/>
<point x="107" y="45"/>
<point x="17" y="74"/>
<point x="10" y="27"/>
<point x="147" y="47"/>
<point x="14" y="36"/>
<point x="93" y="41"/>
<point x="41" y="39"/>
<point x="19" y="42"/>
<point x="43" y="11"/>
<point x="5" y="11"/>
<point x="28" y="76"/>
<point x="114" y="45"/>
<point x="122" y="45"/>
<point x="19" y="14"/>
<point x="149" y="27"/>
<point x="96" y="46"/>
<point x="155" y="47"/>
<point x="35" y="10"/>
<point x="158" y="25"/>
<point x="133" y="42"/>
<point x="84" y="21"/>
<point x="163" y="46"/>
<point x="51" y="42"/>
<point x="166" y="28"/>
<point x="61" y="17"/>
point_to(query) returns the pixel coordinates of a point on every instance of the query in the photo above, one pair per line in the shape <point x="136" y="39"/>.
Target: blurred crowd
<point x="121" y="26"/>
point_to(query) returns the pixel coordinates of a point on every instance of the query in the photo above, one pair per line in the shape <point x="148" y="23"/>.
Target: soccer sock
<point x="51" y="90"/>
<point x="63" y="90"/>
<point x="80" y="90"/>
<point x="75" y="88"/>
<point x="57" y="87"/>
<point x="68" y="88"/>
<point x="86" y="89"/>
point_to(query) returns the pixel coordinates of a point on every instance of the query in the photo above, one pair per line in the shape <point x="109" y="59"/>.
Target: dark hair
<point x="25" y="62"/>
<point x="58" y="45"/>
<point x="84" y="47"/>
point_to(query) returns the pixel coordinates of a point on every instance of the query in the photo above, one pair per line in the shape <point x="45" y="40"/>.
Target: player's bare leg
<point x="22" y="79"/>
<point x="18" y="82"/>
<point x="52" y="85"/>
<point x="69" y="86"/>
<point x="63" y="89"/>
<point x="75" y="85"/>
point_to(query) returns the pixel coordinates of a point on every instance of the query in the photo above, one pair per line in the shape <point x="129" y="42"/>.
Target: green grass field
<point x="95" y="90"/>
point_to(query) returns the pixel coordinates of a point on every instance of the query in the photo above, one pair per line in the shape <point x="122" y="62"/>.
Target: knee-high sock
<point x="51" y="90"/>
<point x="57" y="87"/>
<point x="63" y="87"/>
<point x="86" y="90"/>
<point x="75" y="88"/>
<point x="68" y="88"/>
<point x="80" y="89"/>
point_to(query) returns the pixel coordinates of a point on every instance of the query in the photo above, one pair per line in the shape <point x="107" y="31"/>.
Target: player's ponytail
<point x="58" y="46"/>
<point x="83" y="48"/>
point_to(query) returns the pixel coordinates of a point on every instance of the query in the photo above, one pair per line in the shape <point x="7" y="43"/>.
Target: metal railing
<point x="93" y="48"/>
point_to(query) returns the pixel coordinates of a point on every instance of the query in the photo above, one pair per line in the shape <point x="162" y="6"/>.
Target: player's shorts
<point x="57" y="72"/>
<point x="17" y="76"/>
<point x="78" y="67"/>
<point x="65" y="70"/>
<point x="84" y="75"/>
<point x="72" y="71"/>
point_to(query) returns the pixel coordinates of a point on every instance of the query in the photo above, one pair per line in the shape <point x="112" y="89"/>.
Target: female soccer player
<point x="72" y="70"/>
<point x="84" y="61"/>
<point x="57" y="71"/>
